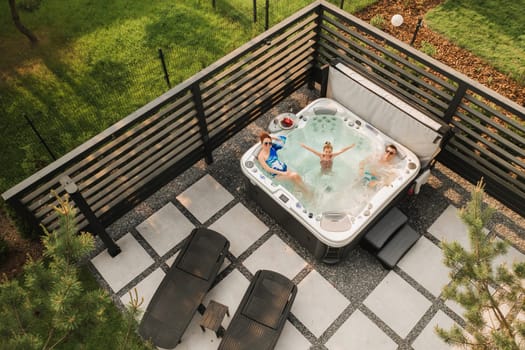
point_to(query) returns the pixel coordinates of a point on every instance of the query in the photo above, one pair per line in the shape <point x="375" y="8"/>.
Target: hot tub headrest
<point x="325" y="111"/>
<point x="397" y="119"/>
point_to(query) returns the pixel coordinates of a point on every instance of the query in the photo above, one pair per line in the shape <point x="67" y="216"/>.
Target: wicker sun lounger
<point x="261" y="316"/>
<point x="183" y="288"/>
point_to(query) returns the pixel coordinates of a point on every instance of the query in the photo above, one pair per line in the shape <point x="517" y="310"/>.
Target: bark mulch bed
<point x="446" y="52"/>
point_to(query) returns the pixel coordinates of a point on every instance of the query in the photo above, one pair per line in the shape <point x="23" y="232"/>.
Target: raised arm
<point x="343" y="150"/>
<point x="311" y="150"/>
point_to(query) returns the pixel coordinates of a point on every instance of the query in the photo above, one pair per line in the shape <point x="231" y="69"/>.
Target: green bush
<point x="378" y="21"/>
<point x="50" y="307"/>
<point x="428" y="48"/>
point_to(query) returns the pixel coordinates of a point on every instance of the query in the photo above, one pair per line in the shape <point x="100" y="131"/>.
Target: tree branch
<point x="18" y="24"/>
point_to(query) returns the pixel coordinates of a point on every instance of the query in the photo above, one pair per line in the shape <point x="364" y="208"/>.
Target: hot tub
<point x="340" y="205"/>
<point x="340" y="208"/>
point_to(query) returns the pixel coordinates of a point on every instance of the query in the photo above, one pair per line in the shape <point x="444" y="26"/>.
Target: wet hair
<point x="264" y="135"/>
<point x="328" y="144"/>
<point x="391" y="146"/>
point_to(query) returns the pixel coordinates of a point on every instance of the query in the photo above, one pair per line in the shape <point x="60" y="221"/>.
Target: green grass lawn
<point x="97" y="61"/>
<point x="491" y="29"/>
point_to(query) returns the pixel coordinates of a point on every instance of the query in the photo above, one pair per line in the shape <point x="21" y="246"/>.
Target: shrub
<point x="49" y="306"/>
<point x="428" y="48"/>
<point x="493" y="296"/>
<point x="378" y="21"/>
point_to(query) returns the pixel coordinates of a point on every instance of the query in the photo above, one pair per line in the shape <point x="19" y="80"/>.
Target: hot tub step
<point x="379" y="234"/>
<point x="397" y="246"/>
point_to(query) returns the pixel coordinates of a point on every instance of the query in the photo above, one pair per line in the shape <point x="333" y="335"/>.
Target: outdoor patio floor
<point x="356" y="304"/>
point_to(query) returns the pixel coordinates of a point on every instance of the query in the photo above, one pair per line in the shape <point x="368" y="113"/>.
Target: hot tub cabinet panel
<point x="295" y="228"/>
<point x="287" y="221"/>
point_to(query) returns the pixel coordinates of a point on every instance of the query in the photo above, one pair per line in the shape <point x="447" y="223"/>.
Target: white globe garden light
<point x="397" y="20"/>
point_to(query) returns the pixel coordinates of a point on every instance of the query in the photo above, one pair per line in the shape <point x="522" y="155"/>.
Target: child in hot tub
<point x="328" y="155"/>
<point x="270" y="161"/>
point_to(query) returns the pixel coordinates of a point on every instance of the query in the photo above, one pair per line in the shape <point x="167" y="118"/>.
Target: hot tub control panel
<point x="284" y="198"/>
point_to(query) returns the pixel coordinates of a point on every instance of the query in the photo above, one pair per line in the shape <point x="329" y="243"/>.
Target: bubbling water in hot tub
<point x="341" y="189"/>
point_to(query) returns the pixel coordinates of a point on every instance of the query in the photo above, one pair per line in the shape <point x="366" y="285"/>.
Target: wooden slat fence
<point x="132" y="159"/>
<point x="488" y="129"/>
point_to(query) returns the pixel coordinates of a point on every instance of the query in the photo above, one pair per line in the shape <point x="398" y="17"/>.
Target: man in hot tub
<point x="270" y="161"/>
<point x="376" y="171"/>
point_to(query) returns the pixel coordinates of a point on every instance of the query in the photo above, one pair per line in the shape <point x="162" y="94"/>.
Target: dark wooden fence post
<point x="456" y="100"/>
<point x="318" y="22"/>
<point x="164" y="69"/>
<point x="254" y="11"/>
<point x="203" y="126"/>
<point x="342" y="4"/>
<point x="324" y="80"/>
<point x="72" y="189"/>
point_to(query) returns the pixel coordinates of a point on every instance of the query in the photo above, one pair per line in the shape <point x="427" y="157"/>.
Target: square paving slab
<point x="229" y="292"/>
<point x="195" y="339"/>
<point x="291" y="338"/>
<point x="165" y="229"/>
<point x="397" y="303"/>
<point x="318" y="303"/>
<point x="124" y="267"/>
<point x="424" y="263"/>
<point x="428" y="339"/>
<point x="449" y="227"/>
<point x="360" y="333"/>
<point x="145" y="289"/>
<point x="205" y="198"/>
<point x="241" y="227"/>
<point x="275" y="255"/>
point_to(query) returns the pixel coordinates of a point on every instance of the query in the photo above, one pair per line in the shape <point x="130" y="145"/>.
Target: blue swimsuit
<point x="273" y="159"/>
<point x="368" y="177"/>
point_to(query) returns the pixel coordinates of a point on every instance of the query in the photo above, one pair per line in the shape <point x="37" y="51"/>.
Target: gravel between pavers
<point x="358" y="274"/>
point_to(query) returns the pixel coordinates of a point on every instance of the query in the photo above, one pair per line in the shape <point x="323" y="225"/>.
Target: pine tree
<point x="494" y="299"/>
<point x="49" y="304"/>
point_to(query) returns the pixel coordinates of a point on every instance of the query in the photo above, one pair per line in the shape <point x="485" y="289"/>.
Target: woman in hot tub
<point x="270" y="161"/>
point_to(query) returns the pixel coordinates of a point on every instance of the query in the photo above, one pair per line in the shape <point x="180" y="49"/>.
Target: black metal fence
<point x="133" y="158"/>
